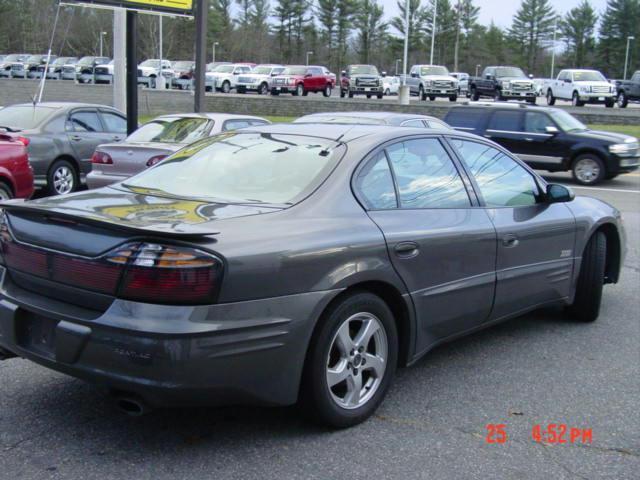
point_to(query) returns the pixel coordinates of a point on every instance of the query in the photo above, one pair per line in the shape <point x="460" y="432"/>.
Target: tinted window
<point x="114" y="123"/>
<point x="636" y="77"/>
<point x="413" y="123"/>
<point x="375" y="184"/>
<point x="85" y="121"/>
<point x="465" y="117"/>
<point x="503" y="182"/>
<point x="505" y="120"/>
<point x="172" y="130"/>
<point x="426" y="176"/>
<point x="536" y="122"/>
<point x="235" y="124"/>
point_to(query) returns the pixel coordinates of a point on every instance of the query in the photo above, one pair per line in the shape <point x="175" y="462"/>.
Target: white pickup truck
<point x="431" y="81"/>
<point x="581" y="87"/>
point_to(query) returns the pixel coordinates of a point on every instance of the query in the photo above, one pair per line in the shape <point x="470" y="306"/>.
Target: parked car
<point x="629" y="90"/>
<point x="259" y="79"/>
<point x="290" y="263"/>
<point x="156" y="140"/>
<point x="375" y="118"/>
<point x="463" y="82"/>
<point x="55" y="68"/>
<point x="299" y="80"/>
<point x="183" y="71"/>
<point x="62" y="139"/>
<point x="503" y="83"/>
<point x="581" y="87"/>
<point x="104" y="73"/>
<point x="9" y="61"/>
<point x="432" y="81"/>
<point x="34" y="65"/>
<point x="551" y="139"/>
<point x="391" y="85"/>
<point x="149" y="71"/>
<point x="16" y="174"/>
<point x="84" y="69"/>
<point x="223" y="78"/>
<point x="361" y="80"/>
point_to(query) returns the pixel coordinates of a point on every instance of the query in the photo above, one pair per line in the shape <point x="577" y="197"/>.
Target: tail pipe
<point x="132" y="406"/>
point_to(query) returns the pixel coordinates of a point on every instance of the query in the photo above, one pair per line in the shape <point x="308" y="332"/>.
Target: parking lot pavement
<point x="538" y="369"/>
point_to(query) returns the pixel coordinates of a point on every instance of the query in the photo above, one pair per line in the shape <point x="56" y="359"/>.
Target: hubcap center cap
<point x="357" y="360"/>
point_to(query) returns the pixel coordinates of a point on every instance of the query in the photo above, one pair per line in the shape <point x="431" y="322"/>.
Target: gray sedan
<point x="158" y="139"/>
<point x="63" y="137"/>
<point x="294" y="263"/>
<point x="375" y="118"/>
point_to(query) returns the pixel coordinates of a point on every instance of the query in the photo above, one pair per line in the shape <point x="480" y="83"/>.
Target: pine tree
<point x="532" y="25"/>
<point x="619" y="21"/>
<point x="578" y="29"/>
<point x="370" y="26"/>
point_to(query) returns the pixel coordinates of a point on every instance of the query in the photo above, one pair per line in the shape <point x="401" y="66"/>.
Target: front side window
<point x="243" y="167"/>
<point x="426" y="176"/>
<point x="172" y="130"/>
<point x="114" y="123"/>
<point x="235" y="124"/>
<point x="536" y="122"/>
<point x="503" y="182"/>
<point x="375" y="184"/>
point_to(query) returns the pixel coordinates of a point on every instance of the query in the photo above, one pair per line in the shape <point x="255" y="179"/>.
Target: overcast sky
<point x="501" y="11"/>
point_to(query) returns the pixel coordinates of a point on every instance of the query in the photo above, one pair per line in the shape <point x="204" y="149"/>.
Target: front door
<point x="535" y="240"/>
<point x="442" y="246"/>
<point x="540" y="147"/>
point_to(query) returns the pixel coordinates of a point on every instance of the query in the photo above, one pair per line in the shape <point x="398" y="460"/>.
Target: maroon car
<point x="300" y="80"/>
<point x="16" y="174"/>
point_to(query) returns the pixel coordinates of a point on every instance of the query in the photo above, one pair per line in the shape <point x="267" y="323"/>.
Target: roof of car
<point x="64" y="105"/>
<point x="212" y="116"/>
<point x="347" y="133"/>
<point x="505" y="105"/>
<point x="373" y="115"/>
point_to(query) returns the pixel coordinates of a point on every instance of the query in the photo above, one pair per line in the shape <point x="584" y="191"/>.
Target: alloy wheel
<point x="63" y="180"/>
<point x="357" y="360"/>
<point x="587" y="170"/>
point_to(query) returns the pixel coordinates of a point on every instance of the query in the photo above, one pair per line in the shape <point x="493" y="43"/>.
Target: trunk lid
<point x="131" y="158"/>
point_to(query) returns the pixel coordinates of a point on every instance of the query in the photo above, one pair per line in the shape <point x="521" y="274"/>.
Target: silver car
<point x="158" y="139"/>
<point x="375" y="118"/>
<point x="62" y="138"/>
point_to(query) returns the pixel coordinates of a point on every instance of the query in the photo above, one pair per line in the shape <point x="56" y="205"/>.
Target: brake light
<point x="157" y="159"/>
<point x="24" y="140"/>
<point x="101" y="158"/>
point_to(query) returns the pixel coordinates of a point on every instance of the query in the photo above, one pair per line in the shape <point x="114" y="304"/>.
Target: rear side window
<point x="235" y="124"/>
<point x="505" y="120"/>
<point x="466" y="118"/>
<point x="85" y="121"/>
<point x="426" y="176"/>
<point x="114" y="123"/>
<point x="375" y="184"/>
<point x="413" y="123"/>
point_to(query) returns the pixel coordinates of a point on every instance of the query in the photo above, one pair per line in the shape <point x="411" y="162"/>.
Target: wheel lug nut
<point x="364" y="360"/>
<point x="352" y="353"/>
<point x="355" y="371"/>
<point x="361" y="349"/>
<point x="349" y="366"/>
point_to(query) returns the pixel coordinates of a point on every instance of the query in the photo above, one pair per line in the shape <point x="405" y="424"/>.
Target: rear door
<point x="85" y="132"/>
<point x="440" y="243"/>
<point x="115" y="126"/>
<point x="505" y="127"/>
<point x="535" y="240"/>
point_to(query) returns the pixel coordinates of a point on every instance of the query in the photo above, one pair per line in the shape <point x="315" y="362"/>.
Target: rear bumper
<point x="100" y="179"/>
<point x="240" y="353"/>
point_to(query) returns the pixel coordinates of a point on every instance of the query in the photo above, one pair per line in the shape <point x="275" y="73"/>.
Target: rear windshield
<point x="340" y="119"/>
<point x="172" y="130"/>
<point x="242" y="168"/>
<point x="24" y="117"/>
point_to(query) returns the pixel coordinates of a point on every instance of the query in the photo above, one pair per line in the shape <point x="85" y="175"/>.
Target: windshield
<point x="150" y="63"/>
<point x="340" y="119"/>
<point x="86" y="60"/>
<point x="224" y="69"/>
<point x="567" y="122"/>
<point x="262" y="70"/>
<point x="183" y="65"/>
<point x="433" y="70"/>
<point x="590" y="76"/>
<point x="61" y="61"/>
<point x="24" y="117"/>
<point x="363" y="70"/>
<point x="12" y="58"/>
<point x="242" y="168"/>
<point x="294" y="71"/>
<point x="172" y="130"/>
<point x="35" y="58"/>
<point x="509" y="72"/>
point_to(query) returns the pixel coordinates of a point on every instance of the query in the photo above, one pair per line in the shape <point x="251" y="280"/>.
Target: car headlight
<point x="584" y="89"/>
<point x="505" y="84"/>
<point x="621" y="148"/>
<point x="428" y="83"/>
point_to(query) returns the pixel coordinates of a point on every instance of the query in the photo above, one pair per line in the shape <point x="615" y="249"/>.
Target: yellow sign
<point x="171" y="6"/>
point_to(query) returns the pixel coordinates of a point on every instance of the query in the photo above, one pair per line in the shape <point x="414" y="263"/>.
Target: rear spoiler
<point x="182" y="230"/>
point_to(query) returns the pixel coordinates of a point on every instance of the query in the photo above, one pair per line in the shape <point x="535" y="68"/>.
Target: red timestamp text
<point x="560" y="433"/>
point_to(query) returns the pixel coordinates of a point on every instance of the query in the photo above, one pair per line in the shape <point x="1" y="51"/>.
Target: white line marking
<point x="602" y="189"/>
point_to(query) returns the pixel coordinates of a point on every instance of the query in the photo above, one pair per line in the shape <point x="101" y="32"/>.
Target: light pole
<point x="213" y="60"/>
<point x="477" y="68"/>
<point x="308" y="53"/>
<point x="403" y="93"/>
<point x="626" y="57"/>
<point x="553" y="48"/>
<point x="102" y="34"/>
<point x="433" y="30"/>
<point x="398" y="60"/>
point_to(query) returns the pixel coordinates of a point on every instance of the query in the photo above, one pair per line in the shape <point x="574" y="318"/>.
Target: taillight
<point x="157" y="159"/>
<point x="143" y="272"/>
<point x="101" y="158"/>
<point x="24" y="140"/>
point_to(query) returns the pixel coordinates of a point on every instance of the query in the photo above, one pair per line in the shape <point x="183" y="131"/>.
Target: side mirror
<point x="567" y="80"/>
<point x="343" y="73"/>
<point x="384" y="74"/>
<point x="558" y="193"/>
<point x="551" y="129"/>
<point x="414" y="75"/>
<point x="488" y="77"/>
<point x="307" y="75"/>
<point x="531" y="76"/>
<point x="236" y="73"/>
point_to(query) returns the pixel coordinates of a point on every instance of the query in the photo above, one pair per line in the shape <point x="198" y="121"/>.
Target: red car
<point x="16" y="174"/>
<point x="300" y="80"/>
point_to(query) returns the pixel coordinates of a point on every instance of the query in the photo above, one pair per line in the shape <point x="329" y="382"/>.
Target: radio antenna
<point x="46" y="65"/>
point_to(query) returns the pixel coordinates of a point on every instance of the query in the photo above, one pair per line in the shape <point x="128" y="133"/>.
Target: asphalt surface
<point x="539" y="369"/>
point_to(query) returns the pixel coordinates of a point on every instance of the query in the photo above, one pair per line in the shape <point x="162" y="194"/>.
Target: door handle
<point x="510" y="241"/>
<point x="529" y="139"/>
<point x="406" y="249"/>
<point x="76" y="138"/>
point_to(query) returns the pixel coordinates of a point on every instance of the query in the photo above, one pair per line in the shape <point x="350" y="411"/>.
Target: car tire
<point x="575" y="100"/>
<point x="609" y="103"/>
<point x="588" y="297"/>
<point x="622" y="100"/>
<point x="474" y="95"/>
<point x="532" y="101"/>
<point x="62" y="178"/>
<point x="5" y="192"/>
<point x="299" y="91"/>
<point x="551" y="100"/>
<point x="421" y="95"/>
<point x="497" y="95"/>
<point x="263" y="89"/>
<point x="380" y="96"/>
<point x="387" y="92"/>
<point x="453" y="98"/>
<point x="588" y="169"/>
<point x="274" y="92"/>
<point x="327" y="91"/>
<point x="336" y="404"/>
<point x="226" y="87"/>
<point x="368" y="95"/>
<point x="342" y="93"/>
<point x="350" y="94"/>
<point x="241" y="90"/>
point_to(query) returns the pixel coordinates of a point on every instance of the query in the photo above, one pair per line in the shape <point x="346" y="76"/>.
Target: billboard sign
<point x="180" y="7"/>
